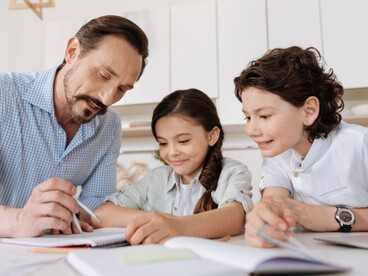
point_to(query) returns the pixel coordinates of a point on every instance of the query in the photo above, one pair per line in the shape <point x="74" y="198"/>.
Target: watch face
<point x="345" y="216"/>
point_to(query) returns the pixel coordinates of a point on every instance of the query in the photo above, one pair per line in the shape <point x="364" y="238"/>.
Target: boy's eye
<point x="184" y="141"/>
<point x="246" y="118"/>
<point x="265" y="116"/>
<point x="162" y="144"/>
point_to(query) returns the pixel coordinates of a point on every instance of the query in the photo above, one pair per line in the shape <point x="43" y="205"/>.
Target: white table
<point x="354" y="257"/>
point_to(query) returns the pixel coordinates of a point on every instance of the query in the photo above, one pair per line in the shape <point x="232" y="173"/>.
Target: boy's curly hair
<point x="295" y="74"/>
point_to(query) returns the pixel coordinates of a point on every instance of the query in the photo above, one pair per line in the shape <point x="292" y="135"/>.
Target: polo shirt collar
<point x="316" y="151"/>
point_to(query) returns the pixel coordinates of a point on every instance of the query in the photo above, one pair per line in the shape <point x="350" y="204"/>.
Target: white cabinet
<point x="154" y="84"/>
<point x="345" y="35"/>
<point x="293" y="22"/>
<point x="194" y="47"/>
<point x="57" y="34"/>
<point x="242" y="37"/>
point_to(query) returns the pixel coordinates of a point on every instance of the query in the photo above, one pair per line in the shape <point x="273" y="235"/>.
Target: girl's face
<point x="184" y="145"/>
<point x="273" y="123"/>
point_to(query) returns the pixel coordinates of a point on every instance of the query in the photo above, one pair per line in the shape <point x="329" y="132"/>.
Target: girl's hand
<point x="151" y="228"/>
<point x="278" y="216"/>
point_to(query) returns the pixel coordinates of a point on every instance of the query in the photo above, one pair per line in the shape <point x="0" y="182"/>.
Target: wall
<point x="22" y="42"/>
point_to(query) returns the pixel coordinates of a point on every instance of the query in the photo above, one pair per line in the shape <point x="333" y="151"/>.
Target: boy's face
<point x="183" y="145"/>
<point x="274" y="124"/>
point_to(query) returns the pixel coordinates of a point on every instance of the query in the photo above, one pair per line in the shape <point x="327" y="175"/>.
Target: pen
<point x="297" y="246"/>
<point x="89" y="211"/>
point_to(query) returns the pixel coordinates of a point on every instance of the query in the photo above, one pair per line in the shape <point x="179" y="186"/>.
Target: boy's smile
<point x="273" y="123"/>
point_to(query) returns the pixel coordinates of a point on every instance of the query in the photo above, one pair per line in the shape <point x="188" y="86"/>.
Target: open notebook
<point x="359" y="240"/>
<point x="104" y="237"/>
<point x="209" y="255"/>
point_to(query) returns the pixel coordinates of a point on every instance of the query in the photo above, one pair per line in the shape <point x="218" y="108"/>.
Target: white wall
<point x="22" y="41"/>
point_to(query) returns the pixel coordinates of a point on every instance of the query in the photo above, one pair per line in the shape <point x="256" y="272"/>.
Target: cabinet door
<point x="242" y="38"/>
<point x="345" y="38"/>
<point x="194" y="47"/>
<point x="293" y="22"/>
<point x="56" y="38"/>
<point x="154" y="84"/>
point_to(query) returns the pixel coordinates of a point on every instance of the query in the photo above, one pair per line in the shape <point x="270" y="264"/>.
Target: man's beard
<point x="71" y="101"/>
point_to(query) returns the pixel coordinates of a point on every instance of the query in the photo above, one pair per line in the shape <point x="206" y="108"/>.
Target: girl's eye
<point x="246" y="118"/>
<point x="265" y="116"/>
<point x="183" y="141"/>
<point x="162" y="144"/>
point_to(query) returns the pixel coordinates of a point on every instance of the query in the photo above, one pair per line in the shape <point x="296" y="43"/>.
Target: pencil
<point x="225" y="238"/>
<point x="61" y="250"/>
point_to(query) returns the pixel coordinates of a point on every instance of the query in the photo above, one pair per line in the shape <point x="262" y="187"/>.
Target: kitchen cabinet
<point x="154" y="84"/>
<point x="242" y="37"/>
<point x="57" y="34"/>
<point x="194" y="47"/>
<point x="293" y="22"/>
<point x="345" y="39"/>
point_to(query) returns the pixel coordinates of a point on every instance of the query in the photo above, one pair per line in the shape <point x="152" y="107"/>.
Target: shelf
<point x="236" y="128"/>
<point x="356" y="119"/>
<point x="144" y="131"/>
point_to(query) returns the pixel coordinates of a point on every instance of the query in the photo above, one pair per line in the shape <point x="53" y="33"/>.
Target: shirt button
<point x="60" y="131"/>
<point x="262" y="177"/>
<point x="296" y="174"/>
<point x="175" y="208"/>
<point x="61" y="161"/>
<point x="195" y="181"/>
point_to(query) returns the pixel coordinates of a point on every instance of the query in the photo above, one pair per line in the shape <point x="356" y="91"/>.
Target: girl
<point x="313" y="162"/>
<point x="199" y="194"/>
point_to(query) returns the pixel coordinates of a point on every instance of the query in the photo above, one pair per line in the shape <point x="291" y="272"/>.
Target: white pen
<point x="77" y="223"/>
<point x="89" y="211"/>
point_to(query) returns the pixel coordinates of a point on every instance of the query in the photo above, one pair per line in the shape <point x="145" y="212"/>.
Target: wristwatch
<point x="346" y="219"/>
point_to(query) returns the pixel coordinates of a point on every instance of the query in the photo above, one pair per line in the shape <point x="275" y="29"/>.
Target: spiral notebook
<point x="104" y="237"/>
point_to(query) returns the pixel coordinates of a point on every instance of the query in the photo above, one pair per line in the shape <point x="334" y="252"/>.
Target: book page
<point x="95" y="238"/>
<point x="249" y="258"/>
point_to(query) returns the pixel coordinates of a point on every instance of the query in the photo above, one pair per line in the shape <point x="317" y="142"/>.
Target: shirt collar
<point x="316" y="151"/>
<point x="41" y="94"/>
<point x="174" y="181"/>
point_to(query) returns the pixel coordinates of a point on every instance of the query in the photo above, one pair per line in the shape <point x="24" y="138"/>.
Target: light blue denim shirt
<point x="159" y="190"/>
<point x="33" y="144"/>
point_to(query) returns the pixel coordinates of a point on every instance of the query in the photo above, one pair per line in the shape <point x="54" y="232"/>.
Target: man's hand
<point x="152" y="227"/>
<point x="50" y="206"/>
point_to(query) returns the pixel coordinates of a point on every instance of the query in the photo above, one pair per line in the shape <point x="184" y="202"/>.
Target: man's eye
<point x="103" y="76"/>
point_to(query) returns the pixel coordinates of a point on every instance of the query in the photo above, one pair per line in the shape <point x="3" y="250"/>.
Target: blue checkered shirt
<point x="32" y="143"/>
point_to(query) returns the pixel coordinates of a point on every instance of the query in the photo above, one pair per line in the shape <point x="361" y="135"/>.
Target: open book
<point x="209" y="256"/>
<point x="104" y="237"/>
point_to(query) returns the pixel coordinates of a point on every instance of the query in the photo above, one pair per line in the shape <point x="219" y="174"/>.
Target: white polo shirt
<point x="334" y="172"/>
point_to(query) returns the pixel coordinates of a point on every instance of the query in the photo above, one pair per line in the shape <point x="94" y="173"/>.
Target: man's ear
<point x="213" y="136"/>
<point x="72" y="49"/>
<point x="311" y="110"/>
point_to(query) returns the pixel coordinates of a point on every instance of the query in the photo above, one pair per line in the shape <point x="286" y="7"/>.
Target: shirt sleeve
<point x="274" y="175"/>
<point x="102" y="180"/>
<point x="234" y="184"/>
<point x="133" y="197"/>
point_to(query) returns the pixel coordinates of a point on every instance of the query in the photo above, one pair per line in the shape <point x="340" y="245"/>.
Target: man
<point x="56" y="131"/>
